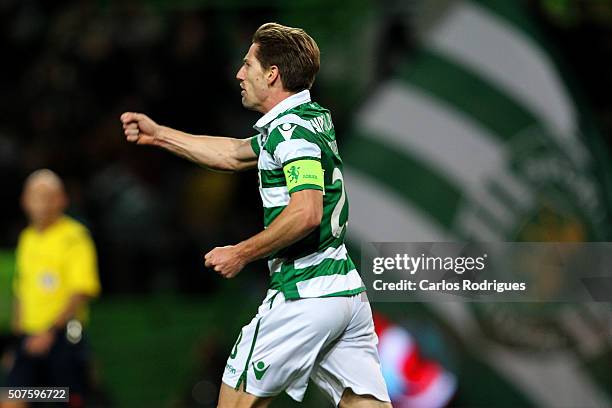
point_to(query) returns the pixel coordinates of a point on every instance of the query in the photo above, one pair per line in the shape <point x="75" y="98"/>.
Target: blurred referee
<point x="56" y="275"/>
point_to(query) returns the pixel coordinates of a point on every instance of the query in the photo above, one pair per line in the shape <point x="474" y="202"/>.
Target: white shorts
<point x="328" y="340"/>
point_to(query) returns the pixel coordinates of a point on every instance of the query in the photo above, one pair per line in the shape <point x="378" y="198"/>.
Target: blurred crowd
<point x="68" y="72"/>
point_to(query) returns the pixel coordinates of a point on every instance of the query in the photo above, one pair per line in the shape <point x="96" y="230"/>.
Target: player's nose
<point x="240" y="74"/>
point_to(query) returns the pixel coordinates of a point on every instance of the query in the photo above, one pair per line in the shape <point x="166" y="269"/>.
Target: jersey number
<point x="336" y="228"/>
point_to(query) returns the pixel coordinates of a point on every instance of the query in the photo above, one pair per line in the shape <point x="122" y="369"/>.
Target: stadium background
<point x="415" y="89"/>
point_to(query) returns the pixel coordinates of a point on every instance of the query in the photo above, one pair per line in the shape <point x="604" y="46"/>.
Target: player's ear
<point x="273" y="75"/>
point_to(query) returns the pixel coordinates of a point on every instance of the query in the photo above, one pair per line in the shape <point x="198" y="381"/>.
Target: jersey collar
<point x="284" y="105"/>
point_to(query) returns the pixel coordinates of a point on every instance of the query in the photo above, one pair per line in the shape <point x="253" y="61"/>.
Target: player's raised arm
<point x="216" y="153"/>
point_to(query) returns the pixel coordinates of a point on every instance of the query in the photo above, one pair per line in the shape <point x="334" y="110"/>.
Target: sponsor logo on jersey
<point x="260" y="369"/>
<point x="286" y="130"/>
<point x="230" y="368"/>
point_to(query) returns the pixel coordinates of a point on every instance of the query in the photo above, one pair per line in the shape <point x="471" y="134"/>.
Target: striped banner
<point x="478" y="137"/>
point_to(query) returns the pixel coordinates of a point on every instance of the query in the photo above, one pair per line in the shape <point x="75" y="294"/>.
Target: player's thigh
<point x="352" y="362"/>
<point x="278" y="349"/>
<point x="231" y="398"/>
<point x="352" y="400"/>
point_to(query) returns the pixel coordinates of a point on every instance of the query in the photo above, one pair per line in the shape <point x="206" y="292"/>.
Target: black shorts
<point x="66" y="365"/>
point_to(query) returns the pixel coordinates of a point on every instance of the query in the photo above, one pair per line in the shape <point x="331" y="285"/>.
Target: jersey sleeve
<point x="255" y="143"/>
<point x="299" y="155"/>
<point x="82" y="266"/>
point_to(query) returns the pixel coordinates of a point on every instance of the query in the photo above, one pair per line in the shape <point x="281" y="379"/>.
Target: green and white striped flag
<point x="479" y="137"/>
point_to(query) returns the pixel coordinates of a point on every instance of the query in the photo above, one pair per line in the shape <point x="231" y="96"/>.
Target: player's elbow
<point x="226" y="164"/>
<point x="311" y="219"/>
<point x="241" y="157"/>
<point x="230" y="165"/>
<point x="238" y="166"/>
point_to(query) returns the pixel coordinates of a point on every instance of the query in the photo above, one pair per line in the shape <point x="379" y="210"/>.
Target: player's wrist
<point x="159" y="134"/>
<point x="244" y="252"/>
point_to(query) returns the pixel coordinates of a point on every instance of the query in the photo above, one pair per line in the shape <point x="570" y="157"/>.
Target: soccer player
<point x="56" y="275"/>
<point x="315" y="322"/>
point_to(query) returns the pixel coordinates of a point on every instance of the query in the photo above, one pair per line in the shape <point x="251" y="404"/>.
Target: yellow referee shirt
<point x="52" y="266"/>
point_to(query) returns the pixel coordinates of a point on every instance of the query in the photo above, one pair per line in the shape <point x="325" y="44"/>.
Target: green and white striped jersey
<point x="297" y="150"/>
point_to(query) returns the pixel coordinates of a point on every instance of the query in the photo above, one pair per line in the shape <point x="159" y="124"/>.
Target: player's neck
<point x="274" y="99"/>
<point x="43" y="225"/>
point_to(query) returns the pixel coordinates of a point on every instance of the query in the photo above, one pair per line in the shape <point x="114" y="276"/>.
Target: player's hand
<point x="139" y="128"/>
<point x="39" y="344"/>
<point x="226" y="261"/>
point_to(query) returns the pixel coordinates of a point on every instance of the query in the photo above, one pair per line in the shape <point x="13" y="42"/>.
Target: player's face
<point x="43" y="203"/>
<point x="253" y="81"/>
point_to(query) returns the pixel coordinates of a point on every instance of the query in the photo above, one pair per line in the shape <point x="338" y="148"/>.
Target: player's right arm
<point x="216" y="153"/>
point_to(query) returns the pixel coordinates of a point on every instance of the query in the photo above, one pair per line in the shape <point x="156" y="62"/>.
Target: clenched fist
<point x="226" y="261"/>
<point x="139" y="128"/>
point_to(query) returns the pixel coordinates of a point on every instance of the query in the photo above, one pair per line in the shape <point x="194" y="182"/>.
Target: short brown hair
<point x="293" y="51"/>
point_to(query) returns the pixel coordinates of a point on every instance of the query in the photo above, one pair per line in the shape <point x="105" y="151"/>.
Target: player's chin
<point x="247" y="103"/>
